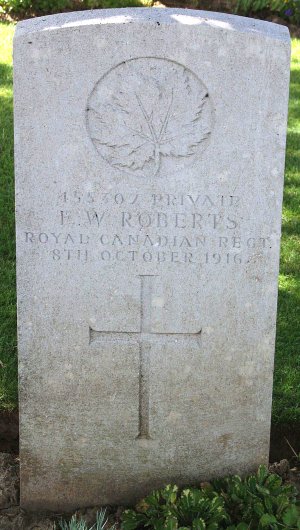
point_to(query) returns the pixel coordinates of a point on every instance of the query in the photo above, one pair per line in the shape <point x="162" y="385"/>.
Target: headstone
<point x="150" y="151"/>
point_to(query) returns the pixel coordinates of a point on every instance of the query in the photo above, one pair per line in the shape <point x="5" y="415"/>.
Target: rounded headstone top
<point x="158" y="16"/>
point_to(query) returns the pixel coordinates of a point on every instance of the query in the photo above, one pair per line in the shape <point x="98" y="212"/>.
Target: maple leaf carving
<point x="144" y="112"/>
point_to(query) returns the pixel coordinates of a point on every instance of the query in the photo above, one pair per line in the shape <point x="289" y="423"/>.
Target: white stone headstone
<point x="150" y="150"/>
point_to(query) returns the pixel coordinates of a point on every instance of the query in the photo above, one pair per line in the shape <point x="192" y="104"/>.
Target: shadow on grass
<point x="8" y="348"/>
<point x="6" y="75"/>
<point x="292" y="153"/>
<point x="286" y="394"/>
<point x="294" y="112"/>
<point x="7" y="233"/>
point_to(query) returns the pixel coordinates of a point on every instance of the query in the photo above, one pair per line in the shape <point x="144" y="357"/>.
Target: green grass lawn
<point x="8" y="349"/>
<point x="286" y="406"/>
<point x="286" y="395"/>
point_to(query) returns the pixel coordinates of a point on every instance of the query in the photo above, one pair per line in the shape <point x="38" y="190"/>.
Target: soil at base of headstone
<point x="12" y="517"/>
<point x="285" y="444"/>
<point x="9" y="432"/>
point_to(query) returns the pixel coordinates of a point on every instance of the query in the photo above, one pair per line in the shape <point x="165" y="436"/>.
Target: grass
<point x="286" y="395"/>
<point x="286" y="402"/>
<point x="8" y="348"/>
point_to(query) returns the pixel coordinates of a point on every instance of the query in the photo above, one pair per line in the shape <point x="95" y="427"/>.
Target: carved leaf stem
<point x="153" y="122"/>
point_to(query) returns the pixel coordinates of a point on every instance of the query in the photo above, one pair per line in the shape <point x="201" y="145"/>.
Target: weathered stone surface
<point x="9" y="481"/>
<point x="149" y="171"/>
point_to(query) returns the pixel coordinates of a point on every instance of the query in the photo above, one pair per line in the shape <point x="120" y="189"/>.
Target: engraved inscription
<point x="149" y="115"/>
<point x="145" y="338"/>
<point x="150" y="228"/>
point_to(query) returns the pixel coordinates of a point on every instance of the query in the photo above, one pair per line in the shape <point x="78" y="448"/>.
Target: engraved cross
<point x="145" y="339"/>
